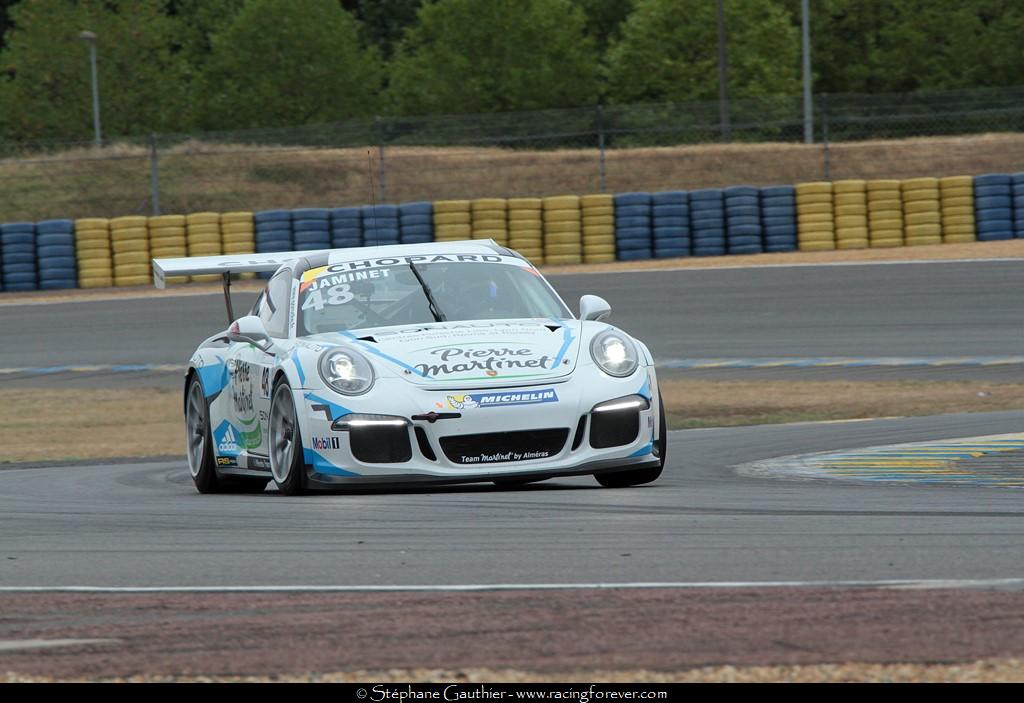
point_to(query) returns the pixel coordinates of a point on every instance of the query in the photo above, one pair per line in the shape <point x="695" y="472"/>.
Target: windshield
<point x="403" y="294"/>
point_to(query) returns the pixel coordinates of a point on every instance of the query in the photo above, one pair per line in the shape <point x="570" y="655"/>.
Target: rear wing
<point x="227" y="264"/>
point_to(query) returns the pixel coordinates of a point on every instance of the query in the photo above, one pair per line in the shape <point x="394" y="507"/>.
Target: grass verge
<point x="98" y="424"/>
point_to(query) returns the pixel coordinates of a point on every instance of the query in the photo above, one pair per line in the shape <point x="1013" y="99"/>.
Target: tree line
<point x="185" y="65"/>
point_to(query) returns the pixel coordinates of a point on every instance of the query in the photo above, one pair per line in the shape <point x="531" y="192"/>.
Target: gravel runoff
<point x="982" y="671"/>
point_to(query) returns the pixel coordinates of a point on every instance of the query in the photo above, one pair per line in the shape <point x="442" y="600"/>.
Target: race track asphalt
<point x="144" y="524"/>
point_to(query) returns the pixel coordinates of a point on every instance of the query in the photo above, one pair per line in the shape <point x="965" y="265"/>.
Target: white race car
<point x="411" y="364"/>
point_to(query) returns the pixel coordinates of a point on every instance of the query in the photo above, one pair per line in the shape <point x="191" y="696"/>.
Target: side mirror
<point x="595" y="308"/>
<point x="249" y="329"/>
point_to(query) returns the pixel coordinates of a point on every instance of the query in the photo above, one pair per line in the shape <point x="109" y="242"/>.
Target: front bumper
<point x="453" y="447"/>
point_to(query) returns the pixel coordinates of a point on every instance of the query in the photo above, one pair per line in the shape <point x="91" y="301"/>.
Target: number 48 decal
<point x="336" y="295"/>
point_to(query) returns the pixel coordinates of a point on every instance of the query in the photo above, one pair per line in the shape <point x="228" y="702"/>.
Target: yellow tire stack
<point x="956" y="202"/>
<point x="92" y="249"/>
<point x="815" y="217"/>
<point x="563" y="230"/>
<point x="598" y="228"/>
<point x="167" y="240"/>
<point x="129" y="241"/>
<point x="850" y="208"/>
<point x="238" y="235"/>
<point x="885" y="213"/>
<point x="922" y="219"/>
<point x="490" y="220"/>
<point x="203" y="238"/>
<point x="452" y="220"/>
<point x="526" y="228"/>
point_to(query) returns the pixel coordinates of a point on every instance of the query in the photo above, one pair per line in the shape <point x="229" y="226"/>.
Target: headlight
<point x="614" y="353"/>
<point x="346" y="371"/>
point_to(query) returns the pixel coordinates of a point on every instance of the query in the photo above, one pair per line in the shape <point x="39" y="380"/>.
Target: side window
<point x="276" y="301"/>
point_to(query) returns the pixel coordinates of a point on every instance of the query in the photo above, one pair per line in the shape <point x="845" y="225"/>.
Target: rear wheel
<point x="199" y="442"/>
<point x="636" y="477"/>
<point x="286" y="461"/>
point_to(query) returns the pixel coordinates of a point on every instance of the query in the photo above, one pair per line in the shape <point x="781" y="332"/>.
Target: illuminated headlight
<point x="346" y="371"/>
<point x="614" y="353"/>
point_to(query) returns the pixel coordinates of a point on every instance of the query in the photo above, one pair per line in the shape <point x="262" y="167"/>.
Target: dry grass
<point x="96" y="424"/>
<point x="199" y="176"/>
<point x="982" y="671"/>
<point x="46" y="425"/>
<point x="726" y="403"/>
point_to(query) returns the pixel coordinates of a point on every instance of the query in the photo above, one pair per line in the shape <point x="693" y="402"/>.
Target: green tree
<point x="196" y="22"/>
<point x="605" y="18"/>
<point x="471" y="56"/>
<point x="47" y="90"/>
<point x="668" y="52"/>
<point x="288" y="62"/>
<point x="383" y="21"/>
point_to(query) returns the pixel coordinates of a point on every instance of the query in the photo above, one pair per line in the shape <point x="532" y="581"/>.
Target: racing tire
<point x="286" y="461"/>
<point x="637" y="477"/>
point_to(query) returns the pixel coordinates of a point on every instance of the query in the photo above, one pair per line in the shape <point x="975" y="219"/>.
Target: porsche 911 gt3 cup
<point x="431" y="363"/>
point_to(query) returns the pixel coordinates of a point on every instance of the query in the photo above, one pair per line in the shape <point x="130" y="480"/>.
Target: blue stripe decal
<point x="323" y="466"/>
<point x="567" y="338"/>
<point x="213" y="377"/>
<point x="298" y="367"/>
<point x="645" y="390"/>
<point x="642" y="451"/>
<point x="362" y="345"/>
<point x="336" y="410"/>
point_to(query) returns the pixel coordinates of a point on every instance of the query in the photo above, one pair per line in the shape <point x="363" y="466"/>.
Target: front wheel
<point x="637" y="477"/>
<point x="286" y="461"/>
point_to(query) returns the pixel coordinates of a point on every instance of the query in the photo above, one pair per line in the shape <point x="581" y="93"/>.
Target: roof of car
<point x="479" y="246"/>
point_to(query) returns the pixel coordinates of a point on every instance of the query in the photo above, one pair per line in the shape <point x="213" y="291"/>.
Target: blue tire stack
<point x="634" y="238"/>
<point x="311" y="228"/>
<point x="707" y="222"/>
<point x="273" y="230"/>
<point x="671" y="224"/>
<point x="778" y="218"/>
<point x="18" y="252"/>
<point x="380" y="225"/>
<point x="416" y="222"/>
<point x="743" y="220"/>
<point x="993" y="206"/>
<point x="346" y="227"/>
<point x="1018" y="204"/>
<point x="55" y="254"/>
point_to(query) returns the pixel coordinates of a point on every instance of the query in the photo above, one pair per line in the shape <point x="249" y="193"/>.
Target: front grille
<point x="495" y="447"/>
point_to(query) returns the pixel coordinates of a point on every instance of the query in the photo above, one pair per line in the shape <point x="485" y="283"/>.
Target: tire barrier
<point x="815" y="217"/>
<point x="707" y="222"/>
<point x="380" y="225"/>
<point x="563" y="230"/>
<point x="993" y="207"/>
<point x="634" y="238"/>
<point x="55" y="254"/>
<point x="346" y="227"/>
<point x="956" y="203"/>
<point x="850" y="209"/>
<point x="670" y="224"/>
<point x="598" y="213"/>
<point x="92" y="250"/>
<point x="452" y="220"/>
<point x="885" y="213"/>
<point x="237" y="233"/>
<point x="202" y="238"/>
<point x="743" y="220"/>
<point x="489" y="219"/>
<point x="416" y="222"/>
<point x="526" y="227"/>
<point x="168" y="239"/>
<point x="18" y="256"/>
<point x="273" y="230"/>
<point x="129" y="242"/>
<point x="922" y="218"/>
<point x="311" y="228"/>
<point x="1017" y="188"/>
<point x="778" y="218"/>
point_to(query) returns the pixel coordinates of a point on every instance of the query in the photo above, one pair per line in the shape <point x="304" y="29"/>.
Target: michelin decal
<point x="498" y="400"/>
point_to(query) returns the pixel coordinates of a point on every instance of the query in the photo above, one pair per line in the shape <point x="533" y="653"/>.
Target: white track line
<point x="459" y="588"/>
<point x="14" y="645"/>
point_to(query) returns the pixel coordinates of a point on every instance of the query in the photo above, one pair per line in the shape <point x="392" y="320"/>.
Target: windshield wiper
<point x="434" y="309"/>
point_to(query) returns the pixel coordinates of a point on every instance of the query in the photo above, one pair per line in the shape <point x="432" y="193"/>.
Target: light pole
<point x="90" y="39"/>
<point x="805" y="36"/>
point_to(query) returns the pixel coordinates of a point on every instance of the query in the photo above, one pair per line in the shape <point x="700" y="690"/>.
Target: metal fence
<point x="584" y="150"/>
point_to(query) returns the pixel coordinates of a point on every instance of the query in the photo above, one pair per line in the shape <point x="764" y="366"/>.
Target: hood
<point x="473" y="353"/>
